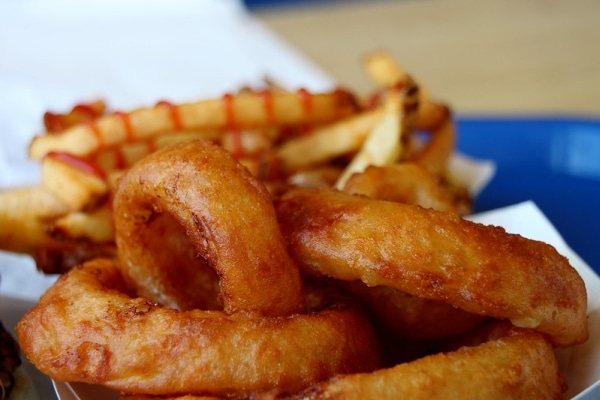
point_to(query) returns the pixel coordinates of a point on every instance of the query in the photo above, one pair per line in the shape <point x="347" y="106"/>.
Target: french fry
<point x="248" y="110"/>
<point x="77" y="182"/>
<point x="95" y="226"/>
<point x="127" y="154"/>
<point x="434" y="117"/>
<point x="56" y="122"/>
<point x="328" y="142"/>
<point x="382" y="69"/>
<point x="284" y="138"/>
<point x="383" y="146"/>
<point x="435" y="154"/>
<point x="24" y="213"/>
<point x="404" y="182"/>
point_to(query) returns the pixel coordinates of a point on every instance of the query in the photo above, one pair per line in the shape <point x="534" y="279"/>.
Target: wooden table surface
<point x="481" y="57"/>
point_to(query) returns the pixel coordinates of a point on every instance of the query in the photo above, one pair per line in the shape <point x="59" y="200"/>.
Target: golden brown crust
<point x="520" y="365"/>
<point x="226" y="213"/>
<point x="85" y="328"/>
<point x="410" y="317"/>
<point x="436" y="255"/>
<point x="407" y="182"/>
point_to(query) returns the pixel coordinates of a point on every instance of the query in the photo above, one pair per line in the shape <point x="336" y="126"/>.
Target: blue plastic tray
<point x="554" y="161"/>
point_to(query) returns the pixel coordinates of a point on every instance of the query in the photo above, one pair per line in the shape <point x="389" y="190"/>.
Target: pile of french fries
<point x="284" y="138"/>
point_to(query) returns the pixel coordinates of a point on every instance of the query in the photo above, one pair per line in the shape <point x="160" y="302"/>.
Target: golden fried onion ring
<point x="85" y="328"/>
<point x="228" y="217"/>
<point x="436" y="255"/>
<point x="520" y="365"/>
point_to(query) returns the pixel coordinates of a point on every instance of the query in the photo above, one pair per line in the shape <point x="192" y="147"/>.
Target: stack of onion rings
<point x="201" y="275"/>
<point x="86" y="328"/>
<point x="271" y="338"/>
<point x="280" y="331"/>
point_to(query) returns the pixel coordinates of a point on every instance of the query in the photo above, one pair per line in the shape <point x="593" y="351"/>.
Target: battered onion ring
<point x="517" y="364"/>
<point x="411" y="317"/>
<point x="406" y="182"/>
<point x="85" y="328"/>
<point x="520" y="365"/>
<point x="436" y="255"/>
<point x="228" y="217"/>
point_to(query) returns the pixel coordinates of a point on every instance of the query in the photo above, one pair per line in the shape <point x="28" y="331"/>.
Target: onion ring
<point x="507" y="364"/>
<point x="85" y="328"/>
<point x="406" y="182"/>
<point x="411" y="317"/>
<point x="436" y="255"/>
<point x="520" y="365"/>
<point x="228" y="217"/>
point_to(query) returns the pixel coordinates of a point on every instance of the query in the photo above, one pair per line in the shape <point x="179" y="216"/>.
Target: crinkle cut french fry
<point x="248" y="110"/>
<point x="24" y="213"/>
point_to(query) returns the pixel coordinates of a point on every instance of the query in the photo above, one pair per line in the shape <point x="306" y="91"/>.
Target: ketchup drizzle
<point x="53" y="122"/>
<point x="267" y="98"/>
<point x="229" y="112"/>
<point x="129" y="134"/>
<point x="77" y="162"/>
<point x="96" y="132"/>
<point x="173" y="114"/>
<point x="120" y="159"/>
<point x="237" y="149"/>
<point x="306" y="99"/>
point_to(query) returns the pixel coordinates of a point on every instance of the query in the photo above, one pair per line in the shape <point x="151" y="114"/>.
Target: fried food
<point x="24" y="214"/>
<point x="245" y="110"/>
<point x="383" y="145"/>
<point x="122" y="157"/>
<point x="328" y="142"/>
<point x="80" y="113"/>
<point x="409" y="317"/>
<point x="436" y="255"/>
<point x="408" y="183"/>
<point x="520" y="365"/>
<point x="74" y="180"/>
<point x="432" y="117"/>
<point x="226" y="213"/>
<point x="95" y="225"/>
<point x="195" y="267"/>
<point x="133" y="345"/>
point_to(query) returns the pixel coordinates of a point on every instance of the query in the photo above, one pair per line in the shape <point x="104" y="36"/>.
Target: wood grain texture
<point x="537" y="56"/>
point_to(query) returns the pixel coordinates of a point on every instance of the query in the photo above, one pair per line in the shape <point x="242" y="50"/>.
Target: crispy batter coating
<point x="436" y="255"/>
<point x="86" y="328"/>
<point x="407" y="182"/>
<point x="411" y="317"/>
<point x="509" y="364"/>
<point x="228" y="216"/>
<point x="520" y="365"/>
